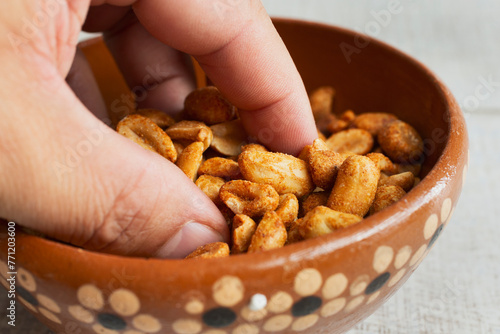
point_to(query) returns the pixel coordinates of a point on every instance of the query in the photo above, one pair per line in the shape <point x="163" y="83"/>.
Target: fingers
<point x="241" y="52"/>
<point x="74" y="179"/>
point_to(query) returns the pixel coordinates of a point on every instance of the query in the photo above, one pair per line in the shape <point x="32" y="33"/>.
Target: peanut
<point x="386" y="196"/>
<point x="190" y="159"/>
<point x="313" y="200"/>
<point x="294" y="232"/>
<point x="270" y="234"/>
<point x="248" y="198"/>
<point x="383" y="163"/>
<point x="288" y="209"/>
<point x="324" y="165"/>
<point x="160" y="118"/>
<point x="355" y="187"/>
<point x="401" y="142"/>
<point x="322" y="220"/>
<point x="228" y="137"/>
<point x="191" y="131"/>
<point x="221" y="167"/>
<point x="211" y="185"/>
<point x="147" y="134"/>
<point x="321" y="100"/>
<point x="210" y="251"/>
<point x="253" y="146"/>
<point x="373" y="122"/>
<point x="207" y="105"/>
<point x="352" y="140"/>
<point x="243" y="229"/>
<point x="405" y="180"/>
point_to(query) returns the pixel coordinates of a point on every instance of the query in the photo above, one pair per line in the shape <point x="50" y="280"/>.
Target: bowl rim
<point x="389" y="218"/>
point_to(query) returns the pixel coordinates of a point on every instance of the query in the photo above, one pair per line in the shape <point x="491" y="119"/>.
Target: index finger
<point x="239" y="49"/>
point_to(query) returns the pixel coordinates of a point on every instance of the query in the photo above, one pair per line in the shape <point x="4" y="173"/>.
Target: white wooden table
<point x="457" y="288"/>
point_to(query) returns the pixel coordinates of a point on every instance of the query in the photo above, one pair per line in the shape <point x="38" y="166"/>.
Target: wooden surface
<point x="457" y="288"/>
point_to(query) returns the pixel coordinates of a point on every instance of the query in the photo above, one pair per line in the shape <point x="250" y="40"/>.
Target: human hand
<point x="117" y="197"/>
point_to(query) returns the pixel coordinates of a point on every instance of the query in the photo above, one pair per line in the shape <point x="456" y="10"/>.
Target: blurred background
<point x="456" y="289"/>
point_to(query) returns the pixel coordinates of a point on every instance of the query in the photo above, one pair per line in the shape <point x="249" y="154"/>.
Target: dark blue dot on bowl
<point x="435" y="235"/>
<point x="377" y="283"/>
<point x="26" y="295"/>
<point x="111" y="321"/>
<point x="306" y="305"/>
<point x="219" y="317"/>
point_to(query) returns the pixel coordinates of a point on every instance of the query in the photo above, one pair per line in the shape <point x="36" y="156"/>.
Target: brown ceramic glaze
<point x="324" y="285"/>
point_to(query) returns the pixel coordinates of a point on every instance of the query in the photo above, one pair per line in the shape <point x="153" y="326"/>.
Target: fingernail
<point x="191" y="236"/>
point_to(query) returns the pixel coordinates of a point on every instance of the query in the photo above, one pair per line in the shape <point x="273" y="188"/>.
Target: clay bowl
<point x="325" y="285"/>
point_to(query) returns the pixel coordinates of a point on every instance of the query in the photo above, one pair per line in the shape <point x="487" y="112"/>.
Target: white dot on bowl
<point x="278" y="323"/>
<point x="446" y="209"/>
<point x="382" y="258"/>
<point x="430" y="226"/>
<point x="81" y="314"/>
<point x="397" y="277"/>
<point x="246" y="329"/>
<point x="146" y="323"/>
<point x="228" y="291"/>
<point x="305" y="322"/>
<point x="354" y="303"/>
<point x="359" y="285"/>
<point x="49" y="315"/>
<point x="257" y="302"/>
<point x="26" y="280"/>
<point x="124" y="302"/>
<point x="333" y="307"/>
<point x="90" y="296"/>
<point x="279" y="302"/>
<point x="334" y="286"/>
<point x="307" y="282"/>
<point x="48" y="303"/>
<point x="418" y="255"/>
<point x="402" y="256"/>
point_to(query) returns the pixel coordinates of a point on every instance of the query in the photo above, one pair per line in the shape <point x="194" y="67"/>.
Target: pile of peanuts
<point x="368" y="162"/>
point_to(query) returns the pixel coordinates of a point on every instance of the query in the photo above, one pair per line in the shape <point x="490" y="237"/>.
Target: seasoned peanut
<point x="385" y="196"/>
<point x="321" y="100"/>
<point x="211" y="185"/>
<point x="191" y="131"/>
<point x="248" y="198"/>
<point x="313" y="200"/>
<point x="405" y="180"/>
<point x="294" y="232"/>
<point x="210" y="251"/>
<point x="414" y="169"/>
<point x="160" y="118"/>
<point x="322" y="220"/>
<point x="352" y="140"/>
<point x="355" y="187"/>
<point x="207" y="105"/>
<point x="270" y="234"/>
<point x="178" y="147"/>
<point x="253" y="146"/>
<point x="243" y="229"/>
<point x="288" y="209"/>
<point x="383" y="163"/>
<point x="286" y="173"/>
<point x="190" y="159"/>
<point x="324" y="165"/>
<point x="146" y="133"/>
<point x="228" y="137"/>
<point x="318" y="144"/>
<point x="401" y="142"/>
<point x="221" y="167"/>
<point x="342" y="123"/>
<point x="373" y="122"/>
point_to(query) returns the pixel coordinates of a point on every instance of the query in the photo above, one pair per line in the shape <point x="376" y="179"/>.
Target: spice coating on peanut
<point x="220" y="167"/>
<point x="210" y="251"/>
<point x="386" y="196"/>
<point x="357" y="141"/>
<point x="270" y="234"/>
<point x="322" y="220"/>
<point x="373" y="122"/>
<point x="288" y="209"/>
<point x="207" y="105"/>
<point x="190" y="159"/>
<point x="243" y="229"/>
<point x="401" y="142"/>
<point x="249" y="198"/>
<point x="211" y="185"/>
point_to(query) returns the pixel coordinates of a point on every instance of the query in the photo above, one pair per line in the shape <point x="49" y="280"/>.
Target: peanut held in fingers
<point x="401" y="142"/>
<point x="352" y="140"/>
<point x="373" y="122"/>
<point x="210" y="251"/>
<point x="190" y="159"/>
<point x="220" y="167"/>
<point x="207" y="105"/>
<point x="288" y="209"/>
<point x="249" y="198"/>
<point x="270" y="234"/>
<point x="322" y="220"/>
<point x="286" y="173"/>
<point x="386" y="196"/>
<point x="355" y="187"/>
<point x="211" y="185"/>
<point x="243" y="229"/>
<point x="146" y="133"/>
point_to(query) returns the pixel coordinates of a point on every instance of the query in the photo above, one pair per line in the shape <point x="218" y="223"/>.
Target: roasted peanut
<point x="313" y="200"/>
<point x="401" y="142"/>
<point x="288" y="209"/>
<point x="294" y="232"/>
<point x="211" y="185"/>
<point x="243" y="229"/>
<point x="383" y="163"/>
<point x="324" y="165"/>
<point x="207" y="105"/>
<point x="318" y="144"/>
<point x="286" y="173"/>
<point x="355" y="187"/>
<point x="253" y="146"/>
<point x="321" y="100"/>
<point x="146" y="133"/>
<point x="178" y="147"/>
<point x="229" y="137"/>
<point x="270" y="234"/>
<point x="385" y="196"/>
<point x="160" y="118"/>
<point x="341" y="123"/>
<point x="221" y="167"/>
<point x="322" y="220"/>
<point x="373" y="122"/>
<point x="190" y="159"/>
<point x="414" y="169"/>
<point x="191" y="131"/>
<point x="405" y="180"/>
<point x="210" y="251"/>
<point x="248" y="198"/>
<point x="352" y="140"/>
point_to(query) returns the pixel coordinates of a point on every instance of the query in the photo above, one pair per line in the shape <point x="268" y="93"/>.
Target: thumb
<point x="76" y="180"/>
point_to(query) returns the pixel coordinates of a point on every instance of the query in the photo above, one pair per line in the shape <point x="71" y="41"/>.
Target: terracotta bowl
<point x="324" y="285"/>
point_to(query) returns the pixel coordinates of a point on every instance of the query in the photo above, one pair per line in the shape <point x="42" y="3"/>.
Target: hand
<point x="66" y="174"/>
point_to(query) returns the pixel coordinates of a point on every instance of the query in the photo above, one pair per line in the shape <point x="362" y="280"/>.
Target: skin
<point x="114" y="196"/>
